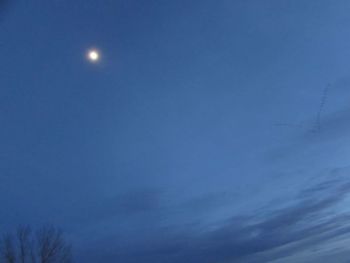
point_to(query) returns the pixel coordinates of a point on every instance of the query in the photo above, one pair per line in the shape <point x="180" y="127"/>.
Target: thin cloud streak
<point x="279" y="234"/>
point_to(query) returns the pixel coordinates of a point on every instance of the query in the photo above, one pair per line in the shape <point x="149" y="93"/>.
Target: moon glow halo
<point x="93" y="55"/>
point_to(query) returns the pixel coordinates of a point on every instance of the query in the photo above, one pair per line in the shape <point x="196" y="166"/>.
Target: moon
<point x="93" y="55"/>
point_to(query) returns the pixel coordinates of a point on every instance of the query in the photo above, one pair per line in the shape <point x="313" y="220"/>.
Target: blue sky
<point x="209" y="131"/>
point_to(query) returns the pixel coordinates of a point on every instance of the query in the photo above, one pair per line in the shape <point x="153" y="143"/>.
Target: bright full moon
<point x="93" y="55"/>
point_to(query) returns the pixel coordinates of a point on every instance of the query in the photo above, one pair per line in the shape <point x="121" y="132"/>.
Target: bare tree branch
<point x="8" y="250"/>
<point x="47" y="246"/>
<point x="24" y="246"/>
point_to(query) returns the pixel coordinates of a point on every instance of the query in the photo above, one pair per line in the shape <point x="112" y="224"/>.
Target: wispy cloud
<point x="247" y="238"/>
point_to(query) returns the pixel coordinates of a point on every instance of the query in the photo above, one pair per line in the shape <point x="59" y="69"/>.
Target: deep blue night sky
<point x="209" y="131"/>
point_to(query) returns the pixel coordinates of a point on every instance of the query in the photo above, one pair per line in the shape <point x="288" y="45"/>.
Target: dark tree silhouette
<point x="45" y="246"/>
